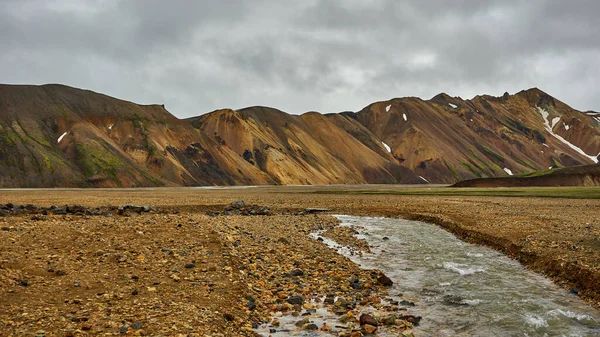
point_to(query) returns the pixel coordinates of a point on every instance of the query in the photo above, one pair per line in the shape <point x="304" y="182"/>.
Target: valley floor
<point x="184" y="270"/>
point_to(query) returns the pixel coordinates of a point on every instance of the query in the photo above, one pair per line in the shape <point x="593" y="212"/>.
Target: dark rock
<point x="368" y="319"/>
<point x="410" y="318"/>
<point x="24" y="283"/>
<point x="59" y="211"/>
<point x="385" y="238"/>
<point x="134" y="292"/>
<point x="311" y="327"/>
<point x="251" y="305"/>
<point x="61" y="273"/>
<point x="296" y="272"/>
<point x="228" y="317"/>
<point x="295" y="299"/>
<point x="356" y="284"/>
<point x="124" y="328"/>
<point x="4" y="212"/>
<point x="407" y="303"/>
<point x="190" y="265"/>
<point x="316" y="210"/>
<point x="302" y="322"/>
<point x="136" y="325"/>
<point x="384" y="280"/>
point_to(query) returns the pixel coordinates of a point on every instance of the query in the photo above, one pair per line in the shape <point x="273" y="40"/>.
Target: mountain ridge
<point x="59" y="136"/>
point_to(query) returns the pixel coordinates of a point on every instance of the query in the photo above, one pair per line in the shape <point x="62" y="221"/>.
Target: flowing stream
<point x="462" y="289"/>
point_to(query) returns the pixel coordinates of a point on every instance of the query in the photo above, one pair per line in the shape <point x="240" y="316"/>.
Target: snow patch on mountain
<point x="61" y="137"/>
<point x="387" y="147"/>
<point x="545" y="115"/>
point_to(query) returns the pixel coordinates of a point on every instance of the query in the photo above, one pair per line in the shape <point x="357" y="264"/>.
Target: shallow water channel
<point x="463" y="289"/>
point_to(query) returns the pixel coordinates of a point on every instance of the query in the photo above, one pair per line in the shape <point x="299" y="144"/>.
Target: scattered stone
<point x="24" y="283"/>
<point x="296" y="272"/>
<point x="311" y="327"/>
<point x="368" y="329"/>
<point x="136" y="325"/>
<point x="410" y="318"/>
<point x="302" y="322"/>
<point x="368" y="319"/>
<point x="190" y="265"/>
<point x="295" y="299"/>
<point x="384" y="280"/>
<point x="124" y="328"/>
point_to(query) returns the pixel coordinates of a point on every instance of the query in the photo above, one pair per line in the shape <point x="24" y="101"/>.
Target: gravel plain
<point x="190" y="268"/>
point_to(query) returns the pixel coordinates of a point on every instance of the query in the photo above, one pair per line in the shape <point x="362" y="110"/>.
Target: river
<point x="462" y="289"/>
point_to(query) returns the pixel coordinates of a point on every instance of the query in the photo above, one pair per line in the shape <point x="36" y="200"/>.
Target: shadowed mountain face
<point x="57" y="136"/>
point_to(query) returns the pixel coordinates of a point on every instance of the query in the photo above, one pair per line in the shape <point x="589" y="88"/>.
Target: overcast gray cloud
<point x="298" y="56"/>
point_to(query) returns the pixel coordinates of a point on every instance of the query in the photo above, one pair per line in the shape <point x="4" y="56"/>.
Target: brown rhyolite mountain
<point x="58" y="136"/>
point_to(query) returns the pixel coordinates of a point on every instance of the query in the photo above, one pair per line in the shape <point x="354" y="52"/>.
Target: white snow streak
<point x="405" y="118"/>
<point x="387" y="147"/>
<point x="567" y="127"/>
<point x="454" y="106"/>
<point x="61" y="137"/>
<point x="554" y="121"/>
<point x="387" y="108"/>
<point x="545" y="114"/>
<point x="508" y="171"/>
<point x="427" y="181"/>
<point x="110" y="126"/>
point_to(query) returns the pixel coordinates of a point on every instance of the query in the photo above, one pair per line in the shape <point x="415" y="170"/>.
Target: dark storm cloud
<point x="197" y="56"/>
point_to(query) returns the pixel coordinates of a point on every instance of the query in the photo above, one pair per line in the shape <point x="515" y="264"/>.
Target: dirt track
<point x="560" y="237"/>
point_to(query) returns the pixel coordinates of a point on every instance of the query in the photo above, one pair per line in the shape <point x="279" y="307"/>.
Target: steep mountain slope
<point x="306" y="149"/>
<point x="54" y="135"/>
<point x="448" y="139"/>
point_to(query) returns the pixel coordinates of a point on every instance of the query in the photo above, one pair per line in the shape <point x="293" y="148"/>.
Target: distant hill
<point x="585" y="175"/>
<point x="58" y="136"/>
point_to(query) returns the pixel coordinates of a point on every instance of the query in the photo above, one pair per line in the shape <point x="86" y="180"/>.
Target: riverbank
<point x="148" y="271"/>
<point x="556" y="236"/>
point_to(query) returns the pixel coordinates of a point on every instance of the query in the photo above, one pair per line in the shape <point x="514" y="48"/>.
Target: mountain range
<point x="59" y="136"/>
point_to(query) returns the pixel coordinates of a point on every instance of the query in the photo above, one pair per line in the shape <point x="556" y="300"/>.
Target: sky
<point x="197" y="56"/>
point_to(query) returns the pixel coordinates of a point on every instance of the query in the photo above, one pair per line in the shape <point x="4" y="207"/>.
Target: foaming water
<point x="462" y="289"/>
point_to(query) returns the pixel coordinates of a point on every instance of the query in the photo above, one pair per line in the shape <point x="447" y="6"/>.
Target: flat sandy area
<point x="182" y="269"/>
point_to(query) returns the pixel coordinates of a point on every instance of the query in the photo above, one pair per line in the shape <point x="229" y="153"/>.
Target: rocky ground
<point x="191" y="265"/>
<point x="166" y="272"/>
